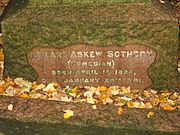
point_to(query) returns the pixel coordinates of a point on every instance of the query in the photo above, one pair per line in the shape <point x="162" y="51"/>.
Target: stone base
<point x="41" y="117"/>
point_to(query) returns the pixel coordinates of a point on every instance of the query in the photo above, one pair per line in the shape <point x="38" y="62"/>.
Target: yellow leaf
<point x="111" y="88"/>
<point x="165" y="94"/>
<point x="163" y="100"/>
<point x="4" y="86"/>
<point x="154" y="101"/>
<point x="56" y="85"/>
<point x="102" y="88"/>
<point x="49" y="91"/>
<point x="74" y="90"/>
<point x="34" y="85"/>
<point x="40" y="86"/>
<point x="120" y="111"/>
<point x="173" y="103"/>
<point x="104" y="95"/>
<point x="68" y="114"/>
<point x="169" y="108"/>
<point x="125" y="90"/>
<point x="24" y="95"/>
<point x="146" y="94"/>
<point x="1" y="56"/>
<point x="130" y="104"/>
<point x="2" y="90"/>
<point x="150" y="114"/>
<point x="92" y="88"/>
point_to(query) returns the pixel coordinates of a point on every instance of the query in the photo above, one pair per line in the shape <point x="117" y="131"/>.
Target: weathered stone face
<point x="94" y="65"/>
<point x="66" y="24"/>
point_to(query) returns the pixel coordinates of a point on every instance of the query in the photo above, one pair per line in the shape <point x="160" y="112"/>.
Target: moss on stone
<point x="116" y="24"/>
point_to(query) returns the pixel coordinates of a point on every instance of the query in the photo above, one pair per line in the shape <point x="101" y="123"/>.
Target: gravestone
<point x="87" y="42"/>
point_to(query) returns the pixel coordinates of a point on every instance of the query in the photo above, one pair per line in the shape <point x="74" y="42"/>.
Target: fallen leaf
<point x="94" y="107"/>
<point x="27" y="84"/>
<point x="126" y="98"/>
<point x="163" y="100"/>
<point x="88" y="93"/>
<point x="66" y="99"/>
<point x="49" y="91"/>
<point x="162" y="1"/>
<point x="107" y="101"/>
<point x="153" y="92"/>
<point x="25" y="89"/>
<point x="2" y="90"/>
<point x="24" y="95"/>
<point x="68" y="114"/>
<point x="173" y="104"/>
<point x="104" y="95"/>
<point x="125" y="90"/>
<point x="148" y="105"/>
<point x="49" y="87"/>
<point x="120" y="111"/>
<point x="68" y="91"/>
<point x="3" y="87"/>
<point x="11" y="92"/>
<point x="90" y="100"/>
<point x="154" y="101"/>
<point x="19" y="81"/>
<point x="111" y="88"/>
<point x="169" y="108"/>
<point x="114" y="92"/>
<point x="40" y="86"/>
<point x="56" y="85"/>
<point x="10" y="107"/>
<point x="2" y="82"/>
<point x="34" y="85"/>
<point x="150" y="114"/>
<point x="102" y="88"/>
<point x="146" y="93"/>
<point x="1" y="56"/>
<point x="130" y="104"/>
<point x="75" y="90"/>
<point x="121" y="103"/>
<point x="136" y="104"/>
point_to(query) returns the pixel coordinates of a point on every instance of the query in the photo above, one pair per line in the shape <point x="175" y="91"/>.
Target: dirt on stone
<point x="106" y="116"/>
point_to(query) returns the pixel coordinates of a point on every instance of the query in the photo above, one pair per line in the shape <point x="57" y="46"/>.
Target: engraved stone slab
<point x="80" y="65"/>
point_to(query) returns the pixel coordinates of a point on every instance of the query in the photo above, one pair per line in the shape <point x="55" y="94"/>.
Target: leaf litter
<point x="118" y="96"/>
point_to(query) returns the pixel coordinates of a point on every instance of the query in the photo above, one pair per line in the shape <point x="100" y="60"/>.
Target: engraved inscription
<point x="80" y="65"/>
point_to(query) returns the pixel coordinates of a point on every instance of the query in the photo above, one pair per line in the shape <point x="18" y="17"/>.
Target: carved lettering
<point x="80" y="65"/>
